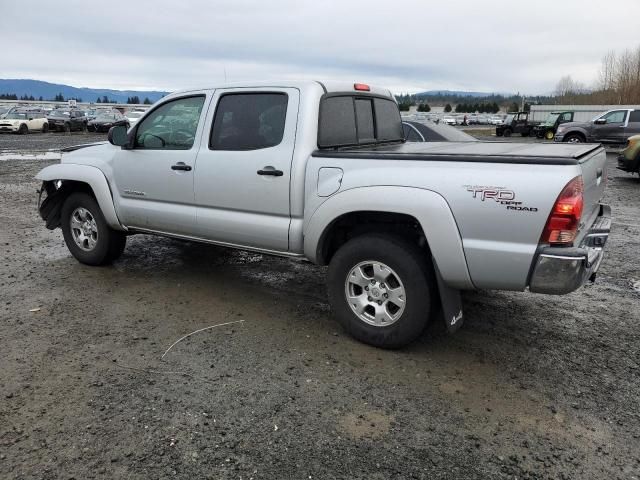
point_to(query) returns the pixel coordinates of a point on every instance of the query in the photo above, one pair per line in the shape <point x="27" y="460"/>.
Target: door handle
<point x="270" y="171"/>
<point x="181" y="166"/>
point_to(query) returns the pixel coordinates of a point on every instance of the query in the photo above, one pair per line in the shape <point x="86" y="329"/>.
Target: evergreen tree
<point x="105" y="99"/>
<point x="447" y="108"/>
<point x="147" y="101"/>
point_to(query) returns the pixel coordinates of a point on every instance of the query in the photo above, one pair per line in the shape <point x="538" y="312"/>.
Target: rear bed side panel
<point x="499" y="238"/>
<point x="429" y="208"/>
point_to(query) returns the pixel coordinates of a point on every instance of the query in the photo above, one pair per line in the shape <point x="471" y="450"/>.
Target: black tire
<point x="45" y="127"/>
<point x="67" y="128"/>
<point x="507" y="132"/>
<point x="110" y="243"/>
<point x="498" y="133"/>
<point x="412" y="267"/>
<point x="574" y="138"/>
<point x="23" y="130"/>
<point x="84" y="127"/>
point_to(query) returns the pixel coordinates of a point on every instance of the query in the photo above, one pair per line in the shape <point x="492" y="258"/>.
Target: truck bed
<point x="484" y="152"/>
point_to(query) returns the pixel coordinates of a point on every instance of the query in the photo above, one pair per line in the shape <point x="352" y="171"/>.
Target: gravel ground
<point x="531" y="387"/>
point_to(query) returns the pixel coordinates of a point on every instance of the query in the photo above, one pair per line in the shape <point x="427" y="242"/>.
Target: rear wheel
<point x="507" y="132"/>
<point x="574" y="138"/>
<point x="380" y="289"/>
<point x="498" y="133"/>
<point x="45" y="127"/>
<point x="87" y="234"/>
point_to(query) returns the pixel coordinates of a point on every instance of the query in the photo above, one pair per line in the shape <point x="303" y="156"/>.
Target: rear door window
<point x="249" y="121"/>
<point x="634" y="116"/>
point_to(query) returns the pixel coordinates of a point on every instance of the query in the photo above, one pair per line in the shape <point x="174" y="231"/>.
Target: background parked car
<point x="104" y="121"/>
<point x="431" y="132"/>
<point x="23" y="122"/>
<point x="67" y="120"/>
<point x="133" y="117"/>
<point x="449" y="120"/>
<point x="629" y="159"/>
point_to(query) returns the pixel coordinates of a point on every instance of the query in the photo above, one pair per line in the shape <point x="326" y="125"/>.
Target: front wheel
<point x="23" y="130"/>
<point x="87" y="234"/>
<point x="573" y="138"/>
<point x="45" y="128"/>
<point x="380" y="289"/>
<point x="507" y="132"/>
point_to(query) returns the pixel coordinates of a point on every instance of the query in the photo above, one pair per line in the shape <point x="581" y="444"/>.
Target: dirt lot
<point x="531" y="386"/>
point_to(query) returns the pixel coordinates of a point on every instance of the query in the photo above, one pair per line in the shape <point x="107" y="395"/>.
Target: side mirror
<point x="601" y="121"/>
<point x="118" y="136"/>
<point x="30" y="118"/>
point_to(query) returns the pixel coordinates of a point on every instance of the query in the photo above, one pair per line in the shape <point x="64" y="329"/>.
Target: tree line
<point x="618" y="82"/>
<point x="60" y="98"/>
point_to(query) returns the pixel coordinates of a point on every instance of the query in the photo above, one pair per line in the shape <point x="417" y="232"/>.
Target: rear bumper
<point x="627" y="165"/>
<point x="559" y="270"/>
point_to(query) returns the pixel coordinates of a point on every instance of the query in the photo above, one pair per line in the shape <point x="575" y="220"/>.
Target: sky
<point x="408" y="46"/>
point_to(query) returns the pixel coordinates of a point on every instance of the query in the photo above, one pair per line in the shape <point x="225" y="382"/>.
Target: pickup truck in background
<point x="322" y="171"/>
<point x="614" y="126"/>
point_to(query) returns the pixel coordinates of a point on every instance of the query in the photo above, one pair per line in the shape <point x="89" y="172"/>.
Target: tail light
<point x="562" y="226"/>
<point x="361" y="87"/>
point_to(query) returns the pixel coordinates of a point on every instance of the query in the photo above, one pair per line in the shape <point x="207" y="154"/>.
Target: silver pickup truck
<point x="322" y="171"/>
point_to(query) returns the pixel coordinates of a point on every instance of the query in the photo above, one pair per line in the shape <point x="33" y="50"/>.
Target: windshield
<point x="134" y="114"/>
<point x="16" y="116"/>
<point x="551" y="119"/>
<point x="105" y="117"/>
<point x="508" y="119"/>
<point x="59" y="113"/>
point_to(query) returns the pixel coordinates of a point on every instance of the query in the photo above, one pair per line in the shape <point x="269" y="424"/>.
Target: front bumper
<point x="558" y="137"/>
<point x="559" y="270"/>
<point x="9" y="128"/>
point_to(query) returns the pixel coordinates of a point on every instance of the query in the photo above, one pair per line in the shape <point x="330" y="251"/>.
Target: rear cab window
<point x="347" y="119"/>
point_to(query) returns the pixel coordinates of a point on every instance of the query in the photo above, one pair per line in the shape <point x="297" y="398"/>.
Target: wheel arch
<point x="83" y="178"/>
<point x="403" y="210"/>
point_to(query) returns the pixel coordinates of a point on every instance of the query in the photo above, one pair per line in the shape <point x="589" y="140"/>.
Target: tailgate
<point x="594" y="176"/>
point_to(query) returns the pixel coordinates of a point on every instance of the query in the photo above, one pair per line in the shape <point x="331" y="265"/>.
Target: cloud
<point x="408" y="46"/>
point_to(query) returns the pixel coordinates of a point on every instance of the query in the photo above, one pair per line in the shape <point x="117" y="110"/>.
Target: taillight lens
<point x="562" y="226"/>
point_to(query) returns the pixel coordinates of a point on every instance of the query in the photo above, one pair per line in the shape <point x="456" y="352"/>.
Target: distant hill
<point x="48" y="91"/>
<point x="454" y="93"/>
